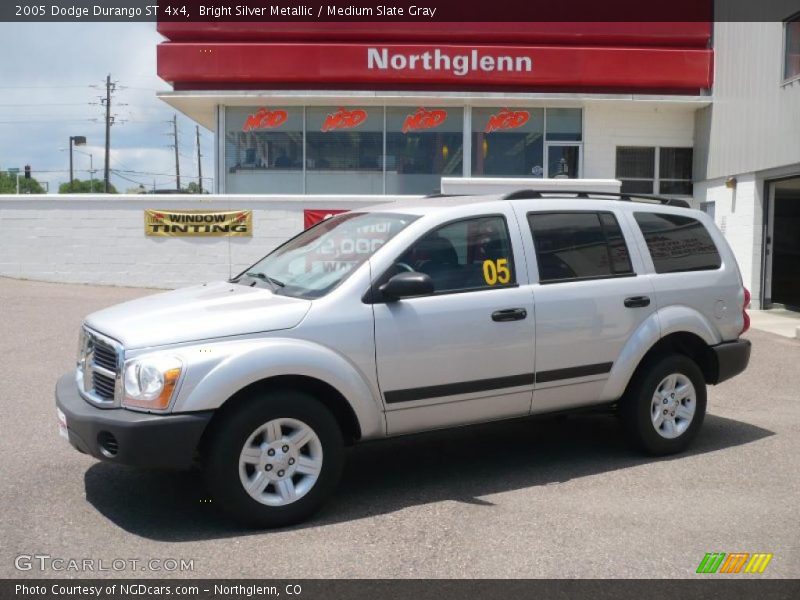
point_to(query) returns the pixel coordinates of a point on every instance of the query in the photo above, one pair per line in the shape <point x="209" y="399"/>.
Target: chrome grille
<point x="99" y="369"/>
<point x="105" y="356"/>
<point x="103" y="385"/>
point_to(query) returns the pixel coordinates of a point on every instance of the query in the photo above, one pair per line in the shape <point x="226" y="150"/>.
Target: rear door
<point x="590" y="296"/>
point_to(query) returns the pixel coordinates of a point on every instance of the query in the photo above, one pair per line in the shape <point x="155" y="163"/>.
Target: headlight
<point x="149" y="383"/>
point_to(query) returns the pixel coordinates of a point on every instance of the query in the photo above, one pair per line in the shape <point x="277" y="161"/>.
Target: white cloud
<point x="45" y="97"/>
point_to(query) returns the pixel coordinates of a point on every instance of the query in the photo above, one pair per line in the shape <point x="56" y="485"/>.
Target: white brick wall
<point x="101" y="240"/>
<point x="738" y="214"/>
<point x="609" y="124"/>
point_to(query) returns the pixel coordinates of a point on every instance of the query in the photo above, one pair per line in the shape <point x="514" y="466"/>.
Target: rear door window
<point x="678" y="243"/>
<point x="578" y="245"/>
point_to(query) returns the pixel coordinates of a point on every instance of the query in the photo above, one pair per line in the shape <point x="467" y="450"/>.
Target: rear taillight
<point x="745" y="316"/>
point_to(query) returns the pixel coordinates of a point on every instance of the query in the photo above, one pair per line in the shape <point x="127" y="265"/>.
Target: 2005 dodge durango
<point x="415" y="315"/>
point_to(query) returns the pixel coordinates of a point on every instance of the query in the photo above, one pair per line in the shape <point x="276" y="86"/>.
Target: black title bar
<point x="395" y="10"/>
<point x="706" y="588"/>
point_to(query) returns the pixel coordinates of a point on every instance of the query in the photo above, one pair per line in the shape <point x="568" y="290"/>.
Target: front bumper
<point x="140" y="439"/>
<point x="731" y="359"/>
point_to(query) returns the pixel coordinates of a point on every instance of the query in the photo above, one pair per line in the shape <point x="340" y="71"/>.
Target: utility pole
<point x="199" y="160"/>
<point x="177" y="158"/>
<point x="110" y="87"/>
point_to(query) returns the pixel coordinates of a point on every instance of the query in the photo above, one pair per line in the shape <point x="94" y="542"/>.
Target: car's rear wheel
<point x="275" y="460"/>
<point x="665" y="404"/>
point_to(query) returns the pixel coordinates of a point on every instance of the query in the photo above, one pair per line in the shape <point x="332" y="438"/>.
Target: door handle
<point x="509" y="314"/>
<point x="637" y="301"/>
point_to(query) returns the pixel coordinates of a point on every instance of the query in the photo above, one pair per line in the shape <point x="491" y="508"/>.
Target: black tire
<point x="222" y="452"/>
<point x="636" y="404"/>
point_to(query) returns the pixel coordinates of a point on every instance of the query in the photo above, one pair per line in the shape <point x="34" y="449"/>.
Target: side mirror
<point x="406" y="285"/>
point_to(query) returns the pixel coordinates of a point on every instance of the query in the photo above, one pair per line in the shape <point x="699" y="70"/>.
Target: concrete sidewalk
<point x="779" y="321"/>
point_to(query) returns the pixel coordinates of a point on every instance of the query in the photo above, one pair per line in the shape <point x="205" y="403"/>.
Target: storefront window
<point x="636" y="168"/>
<point x="423" y="144"/>
<point x="675" y="171"/>
<point x="264" y="150"/>
<point x="344" y="150"/>
<point x="508" y="142"/>
<point x="792" y="48"/>
<point x="403" y="150"/>
<point x="564" y="124"/>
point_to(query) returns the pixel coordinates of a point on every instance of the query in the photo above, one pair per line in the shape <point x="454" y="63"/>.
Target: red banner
<point x="236" y="65"/>
<point x="313" y="216"/>
<point x="577" y="33"/>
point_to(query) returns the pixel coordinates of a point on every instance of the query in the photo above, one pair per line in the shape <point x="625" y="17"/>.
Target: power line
<point x="44" y="105"/>
<point x="44" y="121"/>
<point x="42" y="87"/>
<point x="133" y="172"/>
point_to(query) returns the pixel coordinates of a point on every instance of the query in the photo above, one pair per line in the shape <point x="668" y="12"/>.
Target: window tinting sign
<point x="264" y="118"/>
<point x="344" y="119"/>
<point x="424" y="119"/>
<point x="174" y="223"/>
<point x="507" y="119"/>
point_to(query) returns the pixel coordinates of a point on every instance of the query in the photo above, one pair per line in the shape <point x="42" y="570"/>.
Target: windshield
<point x="316" y="261"/>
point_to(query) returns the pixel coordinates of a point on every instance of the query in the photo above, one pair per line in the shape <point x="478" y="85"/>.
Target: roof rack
<point x="442" y="195"/>
<point x="625" y="196"/>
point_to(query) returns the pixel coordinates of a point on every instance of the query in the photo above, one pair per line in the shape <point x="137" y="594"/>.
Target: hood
<point x="201" y="312"/>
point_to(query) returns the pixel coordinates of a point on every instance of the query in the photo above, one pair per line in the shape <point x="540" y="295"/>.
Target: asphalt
<point x="531" y="498"/>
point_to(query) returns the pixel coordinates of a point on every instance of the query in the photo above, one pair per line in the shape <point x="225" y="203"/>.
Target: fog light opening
<point x="108" y="444"/>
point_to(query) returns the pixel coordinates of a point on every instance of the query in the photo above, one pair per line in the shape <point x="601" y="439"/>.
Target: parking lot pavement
<point x="528" y="498"/>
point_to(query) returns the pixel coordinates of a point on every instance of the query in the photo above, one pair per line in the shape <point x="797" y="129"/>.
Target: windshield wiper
<point x="275" y="283"/>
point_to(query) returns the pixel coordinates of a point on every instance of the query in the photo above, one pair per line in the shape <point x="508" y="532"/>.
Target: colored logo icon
<point x="344" y="119"/>
<point x="507" y="119"/>
<point x="265" y="119"/>
<point x="736" y="562"/>
<point x="424" y="119"/>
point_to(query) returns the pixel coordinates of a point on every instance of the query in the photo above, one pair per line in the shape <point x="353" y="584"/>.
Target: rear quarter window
<point x="678" y="243"/>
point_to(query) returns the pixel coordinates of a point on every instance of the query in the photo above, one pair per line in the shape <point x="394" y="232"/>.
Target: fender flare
<point x="250" y="361"/>
<point x="660" y="324"/>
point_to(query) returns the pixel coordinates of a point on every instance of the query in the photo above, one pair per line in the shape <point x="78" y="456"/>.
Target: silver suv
<point x="411" y="316"/>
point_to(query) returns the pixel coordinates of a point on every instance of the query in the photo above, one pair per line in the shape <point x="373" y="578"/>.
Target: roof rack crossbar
<point x="623" y="196"/>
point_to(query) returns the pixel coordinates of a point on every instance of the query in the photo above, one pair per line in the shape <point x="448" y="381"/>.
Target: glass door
<point x="563" y="161"/>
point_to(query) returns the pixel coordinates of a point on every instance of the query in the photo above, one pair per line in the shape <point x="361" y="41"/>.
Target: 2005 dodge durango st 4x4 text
<point x="415" y="315"/>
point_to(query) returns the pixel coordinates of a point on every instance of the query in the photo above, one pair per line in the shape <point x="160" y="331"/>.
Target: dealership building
<point x="709" y="112"/>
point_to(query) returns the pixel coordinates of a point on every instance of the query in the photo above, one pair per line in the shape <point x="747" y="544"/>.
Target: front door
<point x="465" y="353"/>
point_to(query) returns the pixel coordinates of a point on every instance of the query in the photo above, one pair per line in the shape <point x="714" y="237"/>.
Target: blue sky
<point x="51" y="78"/>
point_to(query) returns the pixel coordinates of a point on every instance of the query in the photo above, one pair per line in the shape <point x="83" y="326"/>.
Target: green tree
<point x="85" y="187"/>
<point x="194" y="188"/>
<point x="8" y="184"/>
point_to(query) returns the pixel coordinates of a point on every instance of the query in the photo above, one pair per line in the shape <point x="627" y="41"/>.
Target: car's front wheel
<point x="275" y="460"/>
<point x="665" y="404"/>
